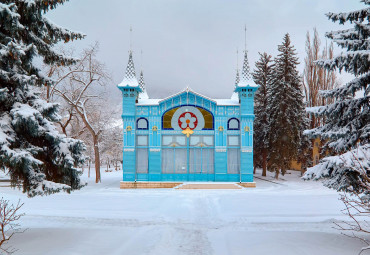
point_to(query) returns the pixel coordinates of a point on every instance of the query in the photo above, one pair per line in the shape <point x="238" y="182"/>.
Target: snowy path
<point x="295" y="218"/>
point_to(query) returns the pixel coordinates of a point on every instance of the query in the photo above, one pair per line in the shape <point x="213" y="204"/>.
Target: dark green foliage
<point x="35" y="154"/>
<point x="286" y="114"/>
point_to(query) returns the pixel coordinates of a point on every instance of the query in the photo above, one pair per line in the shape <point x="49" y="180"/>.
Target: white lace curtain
<point x="174" y="161"/>
<point x="142" y="160"/>
<point x="233" y="161"/>
<point x="201" y="161"/>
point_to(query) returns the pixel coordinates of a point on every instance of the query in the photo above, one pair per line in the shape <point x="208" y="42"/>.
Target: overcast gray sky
<point x="193" y="42"/>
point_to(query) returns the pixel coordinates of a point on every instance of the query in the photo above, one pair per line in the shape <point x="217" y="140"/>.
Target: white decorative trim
<point x="128" y="150"/>
<point x="154" y="150"/>
<point x="220" y="149"/>
<point x="247" y="149"/>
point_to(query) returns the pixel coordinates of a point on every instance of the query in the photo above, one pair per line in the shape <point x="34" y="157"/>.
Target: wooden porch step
<point x="209" y="186"/>
<point x="247" y="184"/>
<point x="149" y="185"/>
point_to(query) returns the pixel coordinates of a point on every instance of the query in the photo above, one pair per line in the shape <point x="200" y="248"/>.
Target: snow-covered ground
<point x="288" y="217"/>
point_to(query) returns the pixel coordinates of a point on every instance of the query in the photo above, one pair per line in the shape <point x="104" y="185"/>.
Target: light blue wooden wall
<point x="131" y="111"/>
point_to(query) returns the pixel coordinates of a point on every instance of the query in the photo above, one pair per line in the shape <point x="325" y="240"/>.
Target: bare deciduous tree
<point x="317" y="78"/>
<point x="77" y="89"/>
<point x="9" y="226"/>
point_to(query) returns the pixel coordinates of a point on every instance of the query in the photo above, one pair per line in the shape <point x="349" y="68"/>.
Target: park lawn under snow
<point x="291" y="217"/>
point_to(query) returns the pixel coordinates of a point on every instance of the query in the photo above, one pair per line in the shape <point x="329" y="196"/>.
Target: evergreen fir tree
<point x="35" y="154"/>
<point x="347" y="119"/>
<point x="262" y="76"/>
<point x="285" y="109"/>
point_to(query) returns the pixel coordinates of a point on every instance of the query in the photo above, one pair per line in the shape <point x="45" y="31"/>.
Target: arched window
<point x="233" y="124"/>
<point x="142" y="123"/>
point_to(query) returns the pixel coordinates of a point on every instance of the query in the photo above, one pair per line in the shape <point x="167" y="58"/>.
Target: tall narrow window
<point x="167" y="161"/>
<point x="233" y="154"/>
<point x="233" y="161"/>
<point x="142" y="155"/>
<point x="142" y="160"/>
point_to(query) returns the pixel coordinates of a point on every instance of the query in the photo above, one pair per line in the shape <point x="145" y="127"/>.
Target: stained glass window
<point x="208" y="119"/>
<point x="167" y="117"/>
<point x="203" y="117"/>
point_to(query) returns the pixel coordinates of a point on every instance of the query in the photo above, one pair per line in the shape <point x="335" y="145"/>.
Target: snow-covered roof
<point x="247" y="83"/>
<point x="187" y="89"/>
<point x="227" y="101"/>
<point x="147" y="101"/>
<point x="143" y="95"/>
<point x="235" y="96"/>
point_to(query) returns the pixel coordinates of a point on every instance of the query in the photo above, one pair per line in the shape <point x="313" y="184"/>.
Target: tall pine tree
<point x="35" y="154"/>
<point x="285" y="109"/>
<point x="262" y="76"/>
<point x="347" y="119"/>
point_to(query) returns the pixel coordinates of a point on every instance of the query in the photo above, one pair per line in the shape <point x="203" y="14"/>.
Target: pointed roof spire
<point x="245" y="71"/>
<point x="141" y="81"/>
<point x="143" y="94"/>
<point x="237" y="79"/>
<point x="246" y="77"/>
<point x="130" y="75"/>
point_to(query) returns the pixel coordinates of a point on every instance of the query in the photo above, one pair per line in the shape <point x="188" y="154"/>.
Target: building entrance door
<point x="188" y="160"/>
<point x="201" y="158"/>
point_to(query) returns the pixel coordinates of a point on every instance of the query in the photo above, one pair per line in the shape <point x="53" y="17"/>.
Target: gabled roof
<point x="232" y="101"/>
<point x="187" y="90"/>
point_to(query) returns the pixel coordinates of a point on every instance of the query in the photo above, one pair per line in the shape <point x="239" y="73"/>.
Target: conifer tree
<point x="285" y="109"/>
<point x="262" y="77"/>
<point x="347" y="119"/>
<point x="35" y="154"/>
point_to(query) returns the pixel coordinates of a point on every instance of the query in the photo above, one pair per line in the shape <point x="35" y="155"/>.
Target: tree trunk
<point x="88" y="175"/>
<point x="277" y="174"/>
<point x="264" y="162"/>
<point x="303" y="170"/>
<point x="97" y="159"/>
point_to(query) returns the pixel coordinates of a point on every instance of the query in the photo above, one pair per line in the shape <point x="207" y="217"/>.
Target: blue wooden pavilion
<point x="187" y="136"/>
